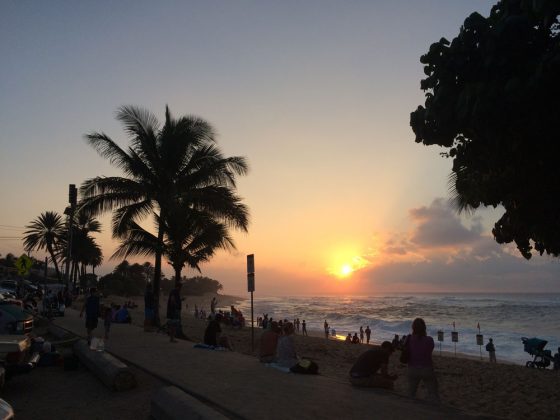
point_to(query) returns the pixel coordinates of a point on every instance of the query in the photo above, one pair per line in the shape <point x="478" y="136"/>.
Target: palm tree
<point x="190" y="239"/>
<point x="178" y="161"/>
<point x="45" y="232"/>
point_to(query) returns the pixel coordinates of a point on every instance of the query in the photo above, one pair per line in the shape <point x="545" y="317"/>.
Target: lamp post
<point x="72" y="199"/>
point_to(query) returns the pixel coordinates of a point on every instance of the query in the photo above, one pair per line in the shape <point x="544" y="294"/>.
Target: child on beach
<point x="491" y="349"/>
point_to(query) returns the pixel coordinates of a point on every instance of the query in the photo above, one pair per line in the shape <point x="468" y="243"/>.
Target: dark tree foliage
<point x="125" y="280"/>
<point x="492" y="99"/>
<point x="193" y="286"/>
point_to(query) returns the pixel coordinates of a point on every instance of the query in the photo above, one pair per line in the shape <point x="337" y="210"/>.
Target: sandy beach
<point x="503" y="390"/>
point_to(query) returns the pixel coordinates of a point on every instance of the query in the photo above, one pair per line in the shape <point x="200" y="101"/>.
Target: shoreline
<point x="465" y="382"/>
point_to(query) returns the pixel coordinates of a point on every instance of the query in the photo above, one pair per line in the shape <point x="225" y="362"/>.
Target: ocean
<point x="504" y="317"/>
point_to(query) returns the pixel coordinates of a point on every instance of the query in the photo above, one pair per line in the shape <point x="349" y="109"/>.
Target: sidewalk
<point x="240" y="387"/>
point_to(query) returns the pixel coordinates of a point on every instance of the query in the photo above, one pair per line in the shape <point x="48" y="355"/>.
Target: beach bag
<point x="405" y="353"/>
<point x="305" y="366"/>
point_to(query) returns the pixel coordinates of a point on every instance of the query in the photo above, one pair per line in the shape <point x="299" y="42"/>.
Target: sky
<point x="315" y="94"/>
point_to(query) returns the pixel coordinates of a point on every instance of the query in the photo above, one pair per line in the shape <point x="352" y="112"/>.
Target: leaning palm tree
<point x="45" y="232"/>
<point x="162" y="165"/>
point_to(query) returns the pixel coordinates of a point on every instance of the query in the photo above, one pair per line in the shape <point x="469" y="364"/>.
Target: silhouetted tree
<point x="492" y="98"/>
<point x="177" y="162"/>
<point x="45" y="232"/>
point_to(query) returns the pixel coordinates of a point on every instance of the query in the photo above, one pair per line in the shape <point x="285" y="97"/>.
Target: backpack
<point x="305" y="366"/>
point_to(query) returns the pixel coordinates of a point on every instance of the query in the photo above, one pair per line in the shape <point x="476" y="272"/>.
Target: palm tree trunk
<point x="157" y="277"/>
<point x="51" y="252"/>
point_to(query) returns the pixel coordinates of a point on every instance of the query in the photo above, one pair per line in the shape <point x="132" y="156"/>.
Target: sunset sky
<point x="315" y="94"/>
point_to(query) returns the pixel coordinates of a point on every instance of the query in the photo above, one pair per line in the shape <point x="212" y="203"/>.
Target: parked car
<point x="14" y="319"/>
<point x="6" y="410"/>
<point x="9" y="285"/>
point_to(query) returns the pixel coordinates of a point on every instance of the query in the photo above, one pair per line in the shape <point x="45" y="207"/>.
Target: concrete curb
<point x="170" y="403"/>
<point x="111" y="371"/>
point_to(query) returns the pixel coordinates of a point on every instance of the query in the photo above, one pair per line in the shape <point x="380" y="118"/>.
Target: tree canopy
<point x="492" y="97"/>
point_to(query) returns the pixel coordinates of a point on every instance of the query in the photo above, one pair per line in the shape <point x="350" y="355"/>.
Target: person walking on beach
<point x="326" y="326"/>
<point x="91" y="308"/>
<point x="361" y="335"/>
<point x="303" y="328"/>
<point x="370" y="370"/>
<point x="174" y="311"/>
<point x="491" y="349"/>
<point x="368" y="334"/>
<point x="420" y="365"/>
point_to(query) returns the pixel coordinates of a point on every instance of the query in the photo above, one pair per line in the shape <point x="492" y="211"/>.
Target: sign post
<point x="479" y="340"/>
<point x="440" y="339"/>
<point x="251" y="289"/>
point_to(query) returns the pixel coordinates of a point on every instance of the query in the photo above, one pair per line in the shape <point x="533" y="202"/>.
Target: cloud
<point x="439" y="226"/>
<point x="442" y="252"/>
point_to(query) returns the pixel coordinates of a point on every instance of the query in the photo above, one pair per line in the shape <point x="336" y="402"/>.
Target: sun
<point x="346" y="270"/>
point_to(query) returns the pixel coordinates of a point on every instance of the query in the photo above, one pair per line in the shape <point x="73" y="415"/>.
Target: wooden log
<point x="111" y="371"/>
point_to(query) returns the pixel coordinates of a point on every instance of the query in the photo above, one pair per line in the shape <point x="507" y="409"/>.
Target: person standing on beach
<point x="326" y="326"/>
<point x="370" y="370"/>
<point x="174" y="311"/>
<point x="368" y="334"/>
<point x="213" y="304"/>
<point x="91" y="308"/>
<point x="361" y="335"/>
<point x="149" y="313"/>
<point x="420" y="365"/>
<point x="303" y="328"/>
<point x="491" y="349"/>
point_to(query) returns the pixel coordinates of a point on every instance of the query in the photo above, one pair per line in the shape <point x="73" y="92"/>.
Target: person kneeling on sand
<point x="212" y="334"/>
<point x="268" y="344"/>
<point x="370" y="370"/>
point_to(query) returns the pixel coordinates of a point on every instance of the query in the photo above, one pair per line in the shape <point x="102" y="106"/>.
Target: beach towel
<point x="278" y="367"/>
<point x="208" y="347"/>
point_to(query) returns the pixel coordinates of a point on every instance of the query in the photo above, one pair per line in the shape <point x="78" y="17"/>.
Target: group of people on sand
<point x="265" y="322"/>
<point x="354" y="339"/>
<point x="371" y="367"/>
<point x="277" y="346"/>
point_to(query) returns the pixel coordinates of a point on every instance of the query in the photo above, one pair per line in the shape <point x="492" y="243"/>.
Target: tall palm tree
<point x="179" y="161"/>
<point x="45" y="232"/>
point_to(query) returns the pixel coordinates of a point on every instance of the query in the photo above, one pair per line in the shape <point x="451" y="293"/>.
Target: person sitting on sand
<point x="212" y="331"/>
<point x="348" y="339"/>
<point x="420" y="364"/>
<point x="355" y="339"/>
<point x="286" y="355"/>
<point x="269" y="343"/>
<point x="370" y="370"/>
<point x="556" y="365"/>
<point x="122" y="316"/>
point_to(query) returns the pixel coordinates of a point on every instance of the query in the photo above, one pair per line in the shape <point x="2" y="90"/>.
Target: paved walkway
<point x="240" y="387"/>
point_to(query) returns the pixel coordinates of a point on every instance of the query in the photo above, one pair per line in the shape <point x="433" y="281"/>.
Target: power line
<point x="11" y="226"/>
